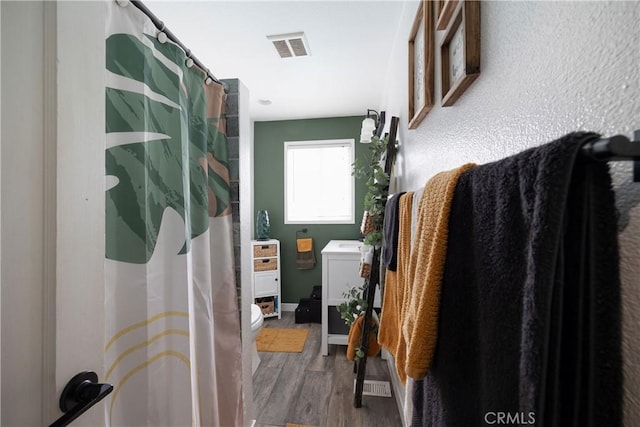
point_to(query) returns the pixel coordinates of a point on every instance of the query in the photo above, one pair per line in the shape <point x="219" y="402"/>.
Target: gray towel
<point x="530" y="304"/>
<point x="390" y="227"/>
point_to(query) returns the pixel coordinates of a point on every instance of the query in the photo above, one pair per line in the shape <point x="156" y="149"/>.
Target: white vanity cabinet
<point x="265" y="275"/>
<point x="340" y="273"/>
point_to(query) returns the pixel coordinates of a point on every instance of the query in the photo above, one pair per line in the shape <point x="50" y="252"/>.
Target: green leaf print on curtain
<point x="166" y="148"/>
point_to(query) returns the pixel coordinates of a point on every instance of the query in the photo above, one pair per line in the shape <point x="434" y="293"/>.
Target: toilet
<point x="256" y="324"/>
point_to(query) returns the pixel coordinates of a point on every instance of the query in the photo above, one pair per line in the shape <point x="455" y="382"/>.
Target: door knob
<point x="81" y="393"/>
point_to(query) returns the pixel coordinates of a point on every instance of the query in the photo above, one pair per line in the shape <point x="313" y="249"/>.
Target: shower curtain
<point x="172" y="335"/>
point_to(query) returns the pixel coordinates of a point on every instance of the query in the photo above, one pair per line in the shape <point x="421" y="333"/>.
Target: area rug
<point x="297" y="425"/>
<point x="281" y="340"/>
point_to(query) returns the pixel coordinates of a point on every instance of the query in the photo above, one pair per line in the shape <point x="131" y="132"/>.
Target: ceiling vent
<point x="290" y="45"/>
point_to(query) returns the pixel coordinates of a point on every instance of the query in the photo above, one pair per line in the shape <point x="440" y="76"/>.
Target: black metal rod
<point x="361" y="365"/>
<point x="617" y="147"/>
<point x="381" y="120"/>
<point x="161" y="27"/>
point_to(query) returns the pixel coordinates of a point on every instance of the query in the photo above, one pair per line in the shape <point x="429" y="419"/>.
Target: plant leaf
<point x="170" y="170"/>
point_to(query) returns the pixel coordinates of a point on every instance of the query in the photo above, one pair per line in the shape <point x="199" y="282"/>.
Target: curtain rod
<point x="161" y="27"/>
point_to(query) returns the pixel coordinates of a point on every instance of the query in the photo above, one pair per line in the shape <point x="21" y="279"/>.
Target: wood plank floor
<point x="315" y="390"/>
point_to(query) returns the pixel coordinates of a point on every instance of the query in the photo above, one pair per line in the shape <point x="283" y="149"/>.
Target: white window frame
<point x="319" y="144"/>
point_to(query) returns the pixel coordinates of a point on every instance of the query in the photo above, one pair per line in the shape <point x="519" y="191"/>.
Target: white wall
<point x="80" y="197"/>
<point x="547" y="68"/>
<point x="22" y="224"/>
<point x="246" y="256"/>
<point x="53" y="233"/>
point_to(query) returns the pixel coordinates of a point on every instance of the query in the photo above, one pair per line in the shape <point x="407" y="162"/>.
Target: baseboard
<point x="398" y="387"/>
<point x="288" y="306"/>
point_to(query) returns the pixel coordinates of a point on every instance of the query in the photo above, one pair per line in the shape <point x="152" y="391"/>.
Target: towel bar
<point x="616" y="148"/>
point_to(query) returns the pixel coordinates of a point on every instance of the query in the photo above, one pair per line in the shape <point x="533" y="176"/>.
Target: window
<point x="318" y="185"/>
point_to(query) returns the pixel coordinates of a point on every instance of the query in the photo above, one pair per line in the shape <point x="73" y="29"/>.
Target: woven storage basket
<point x="267" y="307"/>
<point x="365" y="270"/>
<point x="367" y="225"/>
<point x="265" y="264"/>
<point x="260" y="251"/>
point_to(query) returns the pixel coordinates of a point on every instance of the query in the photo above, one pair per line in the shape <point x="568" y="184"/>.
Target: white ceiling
<point x="349" y="41"/>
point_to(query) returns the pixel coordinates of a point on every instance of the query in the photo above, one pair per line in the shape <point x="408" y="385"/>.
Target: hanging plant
<point x="377" y="183"/>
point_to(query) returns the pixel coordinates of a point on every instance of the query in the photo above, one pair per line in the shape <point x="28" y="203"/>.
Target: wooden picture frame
<point x="445" y="10"/>
<point x="460" y="52"/>
<point x="421" y="70"/>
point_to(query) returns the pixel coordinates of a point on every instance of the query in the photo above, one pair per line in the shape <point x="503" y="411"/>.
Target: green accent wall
<point x="269" y="138"/>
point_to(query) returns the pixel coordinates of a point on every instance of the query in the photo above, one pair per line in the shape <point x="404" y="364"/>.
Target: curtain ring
<point x="162" y="36"/>
<point x="208" y="80"/>
<point x="189" y="62"/>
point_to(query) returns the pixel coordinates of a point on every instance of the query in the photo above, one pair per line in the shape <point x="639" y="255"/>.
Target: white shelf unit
<point x="340" y="272"/>
<point x="265" y="274"/>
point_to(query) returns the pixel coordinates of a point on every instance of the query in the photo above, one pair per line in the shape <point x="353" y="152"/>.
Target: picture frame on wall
<point x="421" y="69"/>
<point x="460" y="51"/>
<point x="445" y="9"/>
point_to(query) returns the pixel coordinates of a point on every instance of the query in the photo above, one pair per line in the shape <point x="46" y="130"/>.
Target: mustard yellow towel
<point x="390" y="330"/>
<point x="355" y="338"/>
<point x="305" y="245"/>
<point x="404" y="251"/>
<point x="425" y="270"/>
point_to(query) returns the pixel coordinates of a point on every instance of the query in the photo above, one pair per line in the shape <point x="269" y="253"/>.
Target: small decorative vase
<point x="262" y="225"/>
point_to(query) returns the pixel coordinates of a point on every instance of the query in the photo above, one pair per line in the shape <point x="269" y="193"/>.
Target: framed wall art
<point x="460" y="52"/>
<point x="445" y="9"/>
<point x="421" y="71"/>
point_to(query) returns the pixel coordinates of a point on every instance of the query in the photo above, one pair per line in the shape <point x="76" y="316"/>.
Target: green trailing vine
<point x="377" y="183"/>
<point x="353" y="308"/>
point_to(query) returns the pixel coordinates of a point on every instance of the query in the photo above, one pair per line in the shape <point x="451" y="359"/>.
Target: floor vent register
<point x="375" y="388"/>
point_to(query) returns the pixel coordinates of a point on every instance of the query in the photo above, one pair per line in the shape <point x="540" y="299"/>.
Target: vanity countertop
<point x="342" y="247"/>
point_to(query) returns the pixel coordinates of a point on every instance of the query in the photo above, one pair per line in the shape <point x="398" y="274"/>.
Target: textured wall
<point x="547" y="68"/>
